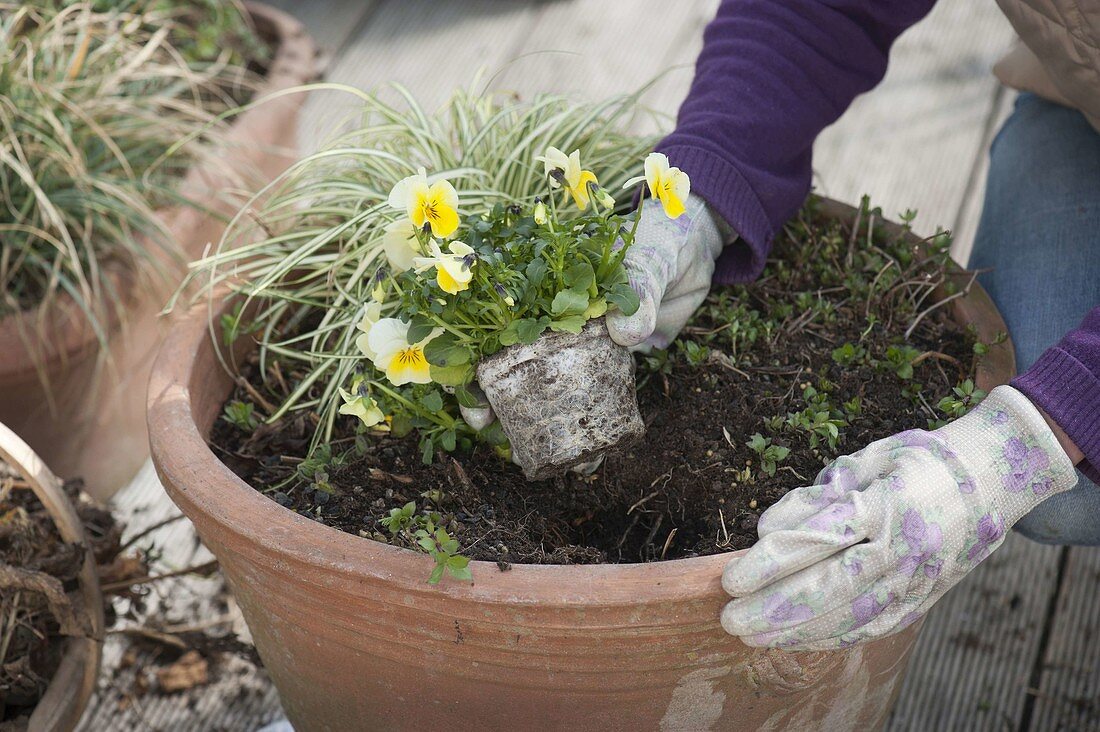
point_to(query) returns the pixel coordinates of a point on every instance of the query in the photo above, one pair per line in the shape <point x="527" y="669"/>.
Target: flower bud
<point x="602" y="197"/>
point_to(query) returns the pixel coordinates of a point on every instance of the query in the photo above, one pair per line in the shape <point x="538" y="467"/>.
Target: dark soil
<point x="30" y="643"/>
<point x="751" y="361"/>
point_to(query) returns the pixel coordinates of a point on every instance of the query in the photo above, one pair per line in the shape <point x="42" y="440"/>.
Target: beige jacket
<point x="1059" y="58"/>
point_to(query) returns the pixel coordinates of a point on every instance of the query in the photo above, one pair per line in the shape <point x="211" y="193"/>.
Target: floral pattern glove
<point x="671" y="265"/>
<point x="887" y="531"/>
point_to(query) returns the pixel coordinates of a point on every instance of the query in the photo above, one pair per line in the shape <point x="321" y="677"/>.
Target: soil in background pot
<point x="31" y="645"/>
<point x="768" y="383"/>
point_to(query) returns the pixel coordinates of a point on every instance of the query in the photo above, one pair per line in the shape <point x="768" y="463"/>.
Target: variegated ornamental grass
<point x="100" y="116"/>
<point x="309" y="249"/>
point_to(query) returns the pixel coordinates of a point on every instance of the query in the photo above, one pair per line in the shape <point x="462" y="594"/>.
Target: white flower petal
<point x="386" y="338"/>
<point x="460" y="248"/>
<point x="399" y="244"/>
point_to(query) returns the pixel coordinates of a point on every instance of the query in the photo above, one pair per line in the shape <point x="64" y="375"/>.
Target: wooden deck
<point x="1017" y="645"/>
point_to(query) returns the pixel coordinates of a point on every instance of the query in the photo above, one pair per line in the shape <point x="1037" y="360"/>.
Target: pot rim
<point x="69" y="333"/>
<point x="216" y="499"/>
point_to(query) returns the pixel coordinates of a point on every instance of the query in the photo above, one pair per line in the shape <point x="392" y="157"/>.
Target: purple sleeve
<point x="771" y="76"/>
<point x="1065" y="383"/>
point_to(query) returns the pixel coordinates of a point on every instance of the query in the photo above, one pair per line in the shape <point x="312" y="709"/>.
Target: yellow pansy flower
<point x="454" y="270"/>
<point x="401" y="361"/>
<point x="358" y="404"/>
<point x="573" y="177"/>
<point x="435" y="204"/>
<point x="667" y="184"/>
<point x="400" y="244"/>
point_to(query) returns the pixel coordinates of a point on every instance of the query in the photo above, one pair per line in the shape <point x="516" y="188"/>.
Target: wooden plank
<point x="577" y="48"/>
<point x="430" y="47"/>
<point x="1068" y="697"/>
<point x="332" y="23"/>
<point x="972" y="666"/>
<point x="912" y="142"/>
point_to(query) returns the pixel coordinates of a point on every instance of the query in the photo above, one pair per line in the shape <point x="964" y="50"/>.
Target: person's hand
<point x="887" y="531"/>
<point x="670" y="265"/>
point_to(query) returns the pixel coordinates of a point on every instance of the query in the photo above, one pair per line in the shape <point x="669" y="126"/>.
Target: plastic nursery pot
<point x="563" y="400"/>
<point x="72" y="684"/>
<point x="82" y="409"/>
<point x="354" y="637"/>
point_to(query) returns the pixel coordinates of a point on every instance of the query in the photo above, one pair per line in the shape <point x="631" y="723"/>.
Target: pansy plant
<point x="460" y="286"/>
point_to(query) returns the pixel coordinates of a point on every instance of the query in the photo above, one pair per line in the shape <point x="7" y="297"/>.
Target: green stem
<point x="446" y="421"/>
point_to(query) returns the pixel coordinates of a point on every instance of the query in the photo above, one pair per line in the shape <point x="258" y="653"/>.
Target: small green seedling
<point x="770" y="455"/>
<point x="241" y="415"/>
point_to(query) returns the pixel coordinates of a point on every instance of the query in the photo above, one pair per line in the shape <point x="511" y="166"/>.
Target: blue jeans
<point x="1040" y="235"/>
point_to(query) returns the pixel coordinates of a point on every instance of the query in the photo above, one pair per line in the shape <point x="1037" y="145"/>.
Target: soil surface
<point x="756" y="359"/>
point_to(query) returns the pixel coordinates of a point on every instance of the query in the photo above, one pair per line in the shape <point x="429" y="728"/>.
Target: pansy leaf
<point x="569" y="302"/>
<point x="401" y="424"/>
<point x="420" y="328"/>
<point x="536" y="271"/>
<point x="466" y="398"/>
<point x="446" y="350"/>
<point x="452" y="375"/>
<point x="595" y="309"/>
<point x="510" y="335"/>
<point x="432" y="401"/>
<point x="529" y="329"/>
<point x="624" y="298"/>
<point x="568" y="324"/>
<point x="580" y="276"/>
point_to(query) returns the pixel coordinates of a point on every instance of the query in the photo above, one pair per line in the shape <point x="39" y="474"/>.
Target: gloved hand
<point x="887" y="531"/>
<point x="671" y="265"/>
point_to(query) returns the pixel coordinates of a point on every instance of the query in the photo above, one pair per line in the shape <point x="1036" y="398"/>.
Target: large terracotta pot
<point x="83" y="413"/>
<point x="354" y="638"/>
<point x="72" y="684"/>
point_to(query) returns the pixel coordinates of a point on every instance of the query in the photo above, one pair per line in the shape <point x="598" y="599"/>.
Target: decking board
<point x="1068" y="697"/>
<point x="913" y="141"/>
<point x="972" y="666"/>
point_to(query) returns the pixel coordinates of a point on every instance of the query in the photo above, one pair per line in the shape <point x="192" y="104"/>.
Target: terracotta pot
<point x="72" y="684"/>
<point x="564" y="400"/>
<point x="354" y="638"/>
<point x="89" y="420"/>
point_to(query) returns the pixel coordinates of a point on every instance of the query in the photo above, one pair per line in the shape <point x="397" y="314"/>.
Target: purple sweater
<point x="771" y="76"/>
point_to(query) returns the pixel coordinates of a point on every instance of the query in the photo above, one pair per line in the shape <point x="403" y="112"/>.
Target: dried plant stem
<point x="27" y="580"/>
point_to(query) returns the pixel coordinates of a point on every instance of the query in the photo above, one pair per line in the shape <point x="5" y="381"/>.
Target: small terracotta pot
<point x="89" y="420"/>
<point x="354" y="637"/>
<point x="563" y="400"/>
<point x="72" y="684"/>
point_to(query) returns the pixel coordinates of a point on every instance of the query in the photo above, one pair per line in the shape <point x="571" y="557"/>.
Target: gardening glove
<point x="670" y="265"/>
<point x="887" y="531"/>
